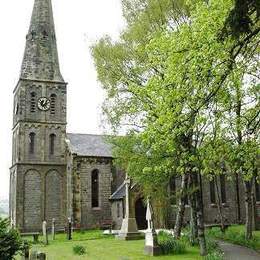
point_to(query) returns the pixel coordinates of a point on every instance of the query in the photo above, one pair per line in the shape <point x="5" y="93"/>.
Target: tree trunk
<point x="249" y="211"/>
<point x="200" y="219"/>
<point x="181" y="207"/>
<point x="193" y="213"/>
<point x="219" y="204"/>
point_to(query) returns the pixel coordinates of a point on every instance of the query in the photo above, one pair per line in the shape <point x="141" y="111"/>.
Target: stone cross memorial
<point x="45" y="233"/>
<point x="151" y="243"/>
<point x="129" y="230"/>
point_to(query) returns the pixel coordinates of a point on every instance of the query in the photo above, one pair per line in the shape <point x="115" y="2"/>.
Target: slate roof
<point x="119" y="193"/>
<point x="89" y="145"/>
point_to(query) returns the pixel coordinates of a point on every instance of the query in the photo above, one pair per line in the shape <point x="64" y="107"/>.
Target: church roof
<point x="119" y="193"/>
<point x="40" y="60"/>
<point x="89" y="145"/>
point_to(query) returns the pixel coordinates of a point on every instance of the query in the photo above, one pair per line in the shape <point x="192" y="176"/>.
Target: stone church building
<point x="55" y="174"/>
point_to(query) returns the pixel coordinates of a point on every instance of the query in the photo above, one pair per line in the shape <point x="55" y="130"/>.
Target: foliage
<point x="79" y="250"/>
<point x="10" y="241"/>
<point x="187" y="99"/>
<point x="170" y="245"/>
<point x="236" y="235"/>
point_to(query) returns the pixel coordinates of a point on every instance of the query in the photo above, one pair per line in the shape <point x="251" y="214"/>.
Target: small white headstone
<point x="44" y="232"/>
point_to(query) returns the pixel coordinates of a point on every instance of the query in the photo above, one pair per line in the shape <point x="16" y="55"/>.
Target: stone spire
<point x="40" y="60"/>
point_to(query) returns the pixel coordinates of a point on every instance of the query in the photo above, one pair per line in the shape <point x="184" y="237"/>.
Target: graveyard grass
<point x="102" y="247"/>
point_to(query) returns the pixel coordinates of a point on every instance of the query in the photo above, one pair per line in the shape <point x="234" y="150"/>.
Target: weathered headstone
<point x="53" y="229"/>
<point x="45" y="233"/>
<point x="151" y="243"/>
<point x="37" y="256"/>
<point x="129" y="230"/>
<point x="69" y="229"/>
<point x="41" y="256"/>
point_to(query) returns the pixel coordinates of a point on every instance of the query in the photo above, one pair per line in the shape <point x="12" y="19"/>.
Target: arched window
<point x="33" y="102"/>
<point x="31" y="143"/>
<point x="223" y="188"/>
<point x="53" y="104"/>
<point x="52" y="144"/>
<point x="212" y="192"/>
<point x="95" y="189"/>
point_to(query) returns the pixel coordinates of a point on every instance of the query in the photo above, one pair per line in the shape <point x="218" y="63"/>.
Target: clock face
<point x="44" y="103"/>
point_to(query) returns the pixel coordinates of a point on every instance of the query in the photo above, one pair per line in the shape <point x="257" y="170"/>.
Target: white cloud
<point x="79" y="23"/>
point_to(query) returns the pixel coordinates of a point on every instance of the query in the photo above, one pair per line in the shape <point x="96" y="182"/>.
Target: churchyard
<point x="102" y="247"/>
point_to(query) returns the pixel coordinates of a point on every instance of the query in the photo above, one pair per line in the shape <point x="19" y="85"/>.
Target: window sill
<point x="213" y="205"/>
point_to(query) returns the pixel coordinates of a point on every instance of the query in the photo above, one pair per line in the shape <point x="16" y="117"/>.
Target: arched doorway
<point x="140" y="214"/>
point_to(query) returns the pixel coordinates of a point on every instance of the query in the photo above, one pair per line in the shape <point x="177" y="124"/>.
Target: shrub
<point x="214" y="252"/>
<point x="170" y="245"/>
<point x="235" y="236"/>
<point x="10" y="241"/>
<point x="79" y="250"/>
<point x="214" y="256"/>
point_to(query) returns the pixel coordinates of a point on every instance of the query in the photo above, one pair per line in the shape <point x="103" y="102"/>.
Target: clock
<point x="44" y="103"/>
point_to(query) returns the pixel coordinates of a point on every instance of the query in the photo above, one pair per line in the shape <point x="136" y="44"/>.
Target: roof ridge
<point x="88" y="134"/>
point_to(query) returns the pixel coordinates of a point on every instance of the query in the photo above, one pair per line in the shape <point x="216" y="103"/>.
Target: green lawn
<point x="236" y="235"/>
<point x="100" y="247"/>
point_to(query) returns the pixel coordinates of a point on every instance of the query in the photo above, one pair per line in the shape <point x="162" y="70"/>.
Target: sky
<point x="79" y="24"/>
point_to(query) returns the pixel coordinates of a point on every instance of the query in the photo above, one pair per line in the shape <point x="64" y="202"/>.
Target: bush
<point x="170" y="245"/>
<point x="10" y="241"/>
<point x="214" y="256"/>
<point x="214" y="252"/>
<point x="235" y="236"/>
<point x="79" y="250"/>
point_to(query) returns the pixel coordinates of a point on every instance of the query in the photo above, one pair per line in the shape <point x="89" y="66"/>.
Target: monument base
<point x="151" y="244"/>
<point x="129" y="230"/>
<point x="152" y="251"/>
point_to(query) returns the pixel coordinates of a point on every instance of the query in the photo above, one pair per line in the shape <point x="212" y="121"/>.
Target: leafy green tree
<point x="10" y="241"/>
<point x="164" y="79"/>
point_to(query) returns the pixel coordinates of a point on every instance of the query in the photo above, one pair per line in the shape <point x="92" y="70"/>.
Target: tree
<point x="10" y="241"/>
<point x="164" y="79"/>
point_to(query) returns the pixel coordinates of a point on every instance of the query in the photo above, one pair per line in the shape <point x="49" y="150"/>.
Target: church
<point x="59" y="175"/>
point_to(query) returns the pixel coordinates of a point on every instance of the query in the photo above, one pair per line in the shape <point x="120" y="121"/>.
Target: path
<point x="235" y="252"/>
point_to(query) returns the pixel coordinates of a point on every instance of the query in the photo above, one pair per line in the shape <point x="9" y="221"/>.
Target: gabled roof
<point x="119" y="193"/>
<point x="89" y="145"/>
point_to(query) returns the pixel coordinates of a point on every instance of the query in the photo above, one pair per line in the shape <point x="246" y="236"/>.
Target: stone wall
<point x="117" y="213"/>
<point x="39" y="194"/>
<point x="84" y="215"/>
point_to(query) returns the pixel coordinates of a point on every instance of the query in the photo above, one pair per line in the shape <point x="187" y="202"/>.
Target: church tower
<point x="38" y="172"/>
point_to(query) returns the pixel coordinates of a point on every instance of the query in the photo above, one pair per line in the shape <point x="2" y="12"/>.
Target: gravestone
<point x="45" y="233"/>
<point x="53" y="229"/>
<point x="69" y="229"/>
<point x="129" y="230"/>
<point x="37" y="256"/>
<point x="151" y="243"/>
<point x="41" y="256"/>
